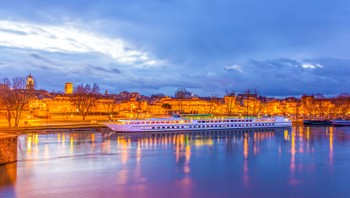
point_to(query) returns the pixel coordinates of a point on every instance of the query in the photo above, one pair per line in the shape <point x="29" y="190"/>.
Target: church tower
<point x="30" y="82"/>
<point x="68" y="88"/>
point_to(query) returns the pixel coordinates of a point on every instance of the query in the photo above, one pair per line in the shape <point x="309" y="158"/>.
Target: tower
<point x="68" y="88"/>
<point x="30" y="82"/>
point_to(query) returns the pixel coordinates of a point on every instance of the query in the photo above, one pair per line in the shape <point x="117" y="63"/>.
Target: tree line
<point x="15" y="97"/>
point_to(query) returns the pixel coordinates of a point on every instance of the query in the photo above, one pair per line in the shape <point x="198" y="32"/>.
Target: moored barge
<point x="196" y="123"/>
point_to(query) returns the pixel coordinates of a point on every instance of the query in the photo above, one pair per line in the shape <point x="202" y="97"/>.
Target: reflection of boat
<point x="317" y="122"/>
<point x="341" y="122"/>
<point x="196" y="123"/>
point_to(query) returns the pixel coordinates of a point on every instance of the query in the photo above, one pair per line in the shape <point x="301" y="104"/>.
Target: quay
<point x="8" y="148"/>
<point x="55" y="128"/>
<point x="8" y="136"/>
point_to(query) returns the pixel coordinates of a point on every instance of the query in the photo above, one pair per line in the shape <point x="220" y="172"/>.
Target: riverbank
<point x="56" y="124"/>
<point x="8" y="148"/>
<point x="55" y="128"/>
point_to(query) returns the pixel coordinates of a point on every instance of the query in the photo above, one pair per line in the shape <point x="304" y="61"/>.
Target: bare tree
<point x="308" y="105"/>
<point x="13" y="99"/>
<point x="214" y="101"/>
<point x="181" y="94"/>
<point x="85" y="98"/>
<point x="251" y="103"/>
<point x="230" y="102"/>
<point x="283" y="107"/>
<point x="166" y="107"/>
<point x="109" y="105"/>
<point x="342" y="104"/>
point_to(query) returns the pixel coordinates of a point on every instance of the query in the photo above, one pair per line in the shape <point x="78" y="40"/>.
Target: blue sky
<point x="281" y="48"/>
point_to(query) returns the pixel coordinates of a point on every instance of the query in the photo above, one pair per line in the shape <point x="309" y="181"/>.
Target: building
<point x="68" y="88"/>
<point x="30" y="84"/>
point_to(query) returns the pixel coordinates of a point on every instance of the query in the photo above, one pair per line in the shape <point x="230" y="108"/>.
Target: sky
<point x="281" y="48"/>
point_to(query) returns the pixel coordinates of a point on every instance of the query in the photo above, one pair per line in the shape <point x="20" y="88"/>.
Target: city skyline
<point x="281" y="49"/>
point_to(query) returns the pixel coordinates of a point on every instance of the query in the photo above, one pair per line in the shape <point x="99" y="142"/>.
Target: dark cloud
<point x="199" y="41"/>
<point x="103" y="69"/>
<point x="12" y="31"/>
<point x="41" y="58"/>
<point x="279" y="77"/>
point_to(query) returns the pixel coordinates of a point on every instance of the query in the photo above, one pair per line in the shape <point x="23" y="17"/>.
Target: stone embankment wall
<point x="8" y="148"/>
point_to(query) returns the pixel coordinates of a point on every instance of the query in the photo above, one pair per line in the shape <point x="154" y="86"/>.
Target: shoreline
<point x="54" y="128"/>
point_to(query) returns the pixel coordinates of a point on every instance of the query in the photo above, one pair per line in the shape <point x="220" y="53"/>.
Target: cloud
<point x="69" y="39"/>
<point x="311" y="65"/>
<point x="237" y="68"/>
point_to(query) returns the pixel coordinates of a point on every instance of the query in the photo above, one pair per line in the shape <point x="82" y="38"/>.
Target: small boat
<point x="339" y="122"/>
<point x="196" y="124"/>
<point x="317" y="122"/>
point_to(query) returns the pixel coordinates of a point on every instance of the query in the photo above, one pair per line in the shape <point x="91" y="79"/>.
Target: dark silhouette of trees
<point x="181" y="94"/>
<point x="14" y="98"/>
<point x="109" y="106"/>
<point x="251" y="104"/>
<point x="214" y="101"/>
<point x="166" y="107"/>
<point x="308" y="105"/>
<point x="342" y="104"/>
<point x="85" y="98"/>
<point x="230" y="102"/>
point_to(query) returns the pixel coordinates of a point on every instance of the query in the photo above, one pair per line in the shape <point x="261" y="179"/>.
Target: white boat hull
<point x="195" y="125"/>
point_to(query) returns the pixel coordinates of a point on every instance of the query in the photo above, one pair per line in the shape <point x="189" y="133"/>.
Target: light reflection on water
<point x="297" y="162"/>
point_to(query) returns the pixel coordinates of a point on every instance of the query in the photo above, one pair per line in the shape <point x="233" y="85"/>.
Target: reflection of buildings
<point x="8" y="174"/>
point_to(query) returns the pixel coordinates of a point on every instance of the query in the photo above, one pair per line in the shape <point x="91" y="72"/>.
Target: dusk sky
<point x="280" y="47"/>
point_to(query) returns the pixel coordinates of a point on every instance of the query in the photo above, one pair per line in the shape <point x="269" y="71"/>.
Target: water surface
<point x="297" y="162"/>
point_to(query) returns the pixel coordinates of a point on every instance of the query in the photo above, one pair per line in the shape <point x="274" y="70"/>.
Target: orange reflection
<point x="8" y="174"/>
<point x="245" y="163"/>
<point x="63" y="139"/>
<point x="331" y="144"/>
<point x="245" y="173"/>
<point x="301" y="142"/>
<point x="292" y="151"/>
<point x="245" y="146"/>
<point x="292" y="161"/>
<point x="255" y="144"/>
<point x="138" y="152"/>
<point x="187" y="168"/>
<point x="71" y="140"/>
<point x="29" y="143"/>
<point x="286" y="135"/>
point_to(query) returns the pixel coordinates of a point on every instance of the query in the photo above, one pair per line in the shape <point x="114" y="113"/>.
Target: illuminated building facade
<point x="68" y="88"/>
<point x="30" y="84"/>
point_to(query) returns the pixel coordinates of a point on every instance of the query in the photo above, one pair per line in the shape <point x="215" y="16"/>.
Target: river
<point x="294" y="162"/>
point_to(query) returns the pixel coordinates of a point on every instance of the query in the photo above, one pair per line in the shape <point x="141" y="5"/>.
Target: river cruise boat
<point x="196" y="123"/>
<point x="317" y="122"/>
<point x="341" y="122"/>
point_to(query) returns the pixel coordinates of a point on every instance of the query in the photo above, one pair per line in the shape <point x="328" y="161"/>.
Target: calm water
<point x="297" y="162"/>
